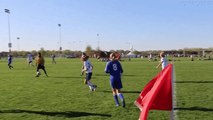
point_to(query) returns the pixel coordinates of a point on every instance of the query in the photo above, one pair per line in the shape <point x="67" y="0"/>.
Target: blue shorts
<point x="116" y="83"/>
<point x="88" y="76"/>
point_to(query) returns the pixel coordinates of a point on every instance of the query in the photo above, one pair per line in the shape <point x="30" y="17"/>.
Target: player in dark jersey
<point x="40" y="64"/>
<point x="9" y="60"/>
<point x="114" y="68"/>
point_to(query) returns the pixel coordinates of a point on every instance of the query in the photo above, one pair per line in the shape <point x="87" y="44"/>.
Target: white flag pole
<point x="172" y="117"/>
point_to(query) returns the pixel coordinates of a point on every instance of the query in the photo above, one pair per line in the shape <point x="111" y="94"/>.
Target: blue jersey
<point x="114" y="68"/>
<point x="9" y="59"/>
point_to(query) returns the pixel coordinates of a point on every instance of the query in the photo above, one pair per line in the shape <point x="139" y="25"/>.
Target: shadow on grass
<point x="108" y="75"/>
<point x="196" y="109"/>
<point x="68" y="114"/>
<point x="194" y="82"/>
<point x="100" y="74"/>
<point x="128" y="75"/>
<point x="67" y="77"/>
<point x="108" y="91"/>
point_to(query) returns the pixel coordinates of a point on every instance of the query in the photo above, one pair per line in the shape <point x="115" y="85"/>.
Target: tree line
<point x="91" y="52"/>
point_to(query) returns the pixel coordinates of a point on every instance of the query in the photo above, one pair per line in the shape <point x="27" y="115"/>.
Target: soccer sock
<point x="122" y="99"/>
<point x="121" y="96"/>
<point x="37" y="72"/>
<point x="89" y="83"/>
<point x="90" y="87"/>
<point x="116" y="99"/>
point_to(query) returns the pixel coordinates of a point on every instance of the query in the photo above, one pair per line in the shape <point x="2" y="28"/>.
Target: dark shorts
<point x="88" y="76"/>
<point x="116" y="83"/>
<point x="40" y="66"/>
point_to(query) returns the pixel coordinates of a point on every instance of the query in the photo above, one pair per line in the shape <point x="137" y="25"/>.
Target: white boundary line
<point x="174" y="103"/>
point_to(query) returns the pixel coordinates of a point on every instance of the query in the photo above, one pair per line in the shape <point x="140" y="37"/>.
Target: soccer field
<point x="64" y="96"/>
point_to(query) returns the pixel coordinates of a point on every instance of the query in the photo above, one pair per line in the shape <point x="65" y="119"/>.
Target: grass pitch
<point x="63" y="96"/>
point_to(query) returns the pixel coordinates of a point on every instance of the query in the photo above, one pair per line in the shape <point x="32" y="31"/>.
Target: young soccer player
<point x="114" y="68"/>
<point x="30" y="59"/>
<point x="83" y="56"/>
<point x="9" y="60"/>
<point x="163" y="61"/>
<point x="87" y="68"/>
<point x="53" y="59"/>
<point x="40" y="65"/>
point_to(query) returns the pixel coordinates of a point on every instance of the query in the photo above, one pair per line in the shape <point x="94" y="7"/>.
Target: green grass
<point x="63" y="96"/>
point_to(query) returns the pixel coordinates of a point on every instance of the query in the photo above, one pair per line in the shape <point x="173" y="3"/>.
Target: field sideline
<point x="63" y="96"/>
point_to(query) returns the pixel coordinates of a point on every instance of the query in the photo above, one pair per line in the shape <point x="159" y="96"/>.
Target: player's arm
<point x="159" y="64"/>
<point x="122" y="70"/>
<point x="84" y="67"/>
<point x="36" y="61"/>
<point x="120" y="67"/>
<point x="107" y="68"/>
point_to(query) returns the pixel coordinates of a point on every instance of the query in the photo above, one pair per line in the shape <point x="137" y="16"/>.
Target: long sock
<point x="121" y="96"/>
<point x="116" y="99"/>
<point x="89" y="84"/>
<point x="45" y="72"/>
<point x="90" y="87"/>
<point x="122" y="99"/>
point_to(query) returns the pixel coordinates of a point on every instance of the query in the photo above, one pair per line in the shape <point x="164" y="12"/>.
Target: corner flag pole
<point x="172" y="117"/>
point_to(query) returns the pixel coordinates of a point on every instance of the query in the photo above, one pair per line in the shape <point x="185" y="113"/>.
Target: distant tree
<point x="66" y="52"/>
<point x="42" y="51"/>
<point x="89" y="50"/>
<point x="136" y="52"/>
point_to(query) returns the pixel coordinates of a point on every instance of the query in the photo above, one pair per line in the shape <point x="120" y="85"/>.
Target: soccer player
<point x="87" y="68"/>
<point x="30" y="59"/>
<point x="53" y="59"/>
<point x="40" y="65"/>
<point x="114" y="68"/>
<point x="9" y="60"/>
<point x="163" y="61"/>
<point x="83" y="56"/>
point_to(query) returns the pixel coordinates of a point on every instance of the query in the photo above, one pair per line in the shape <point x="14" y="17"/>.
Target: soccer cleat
<point x="94" y="87"/>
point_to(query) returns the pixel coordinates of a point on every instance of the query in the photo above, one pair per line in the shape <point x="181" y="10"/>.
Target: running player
<point x="87" y="68"/>
<point x="40" y="65"/>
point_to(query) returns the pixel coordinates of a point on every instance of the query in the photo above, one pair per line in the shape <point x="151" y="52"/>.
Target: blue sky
<point x="144" y="24"/>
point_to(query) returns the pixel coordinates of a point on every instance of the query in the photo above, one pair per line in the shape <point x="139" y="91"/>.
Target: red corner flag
<point x="157" y="94"/>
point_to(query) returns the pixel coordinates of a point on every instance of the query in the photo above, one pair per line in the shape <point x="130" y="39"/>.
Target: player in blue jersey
<point x="114" y="68"/>
<point x="30" y="59"/>
<point x="9" y="60"/>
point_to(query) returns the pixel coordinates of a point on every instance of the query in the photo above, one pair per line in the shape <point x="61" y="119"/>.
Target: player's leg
<point x="121" y="97"/>
<point x="43" y="68"/>
<point x="118" y="87"/>
<point x="114" y="93"/>
<point x="89" y="83"/>
<point x="115" y="96"/>
<point x="9" y="65"/>
<point x="37" y="71"/>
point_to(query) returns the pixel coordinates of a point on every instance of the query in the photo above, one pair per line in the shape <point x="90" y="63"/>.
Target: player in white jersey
<point x="87" y="68"/>
<point x="163" y="61"/>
